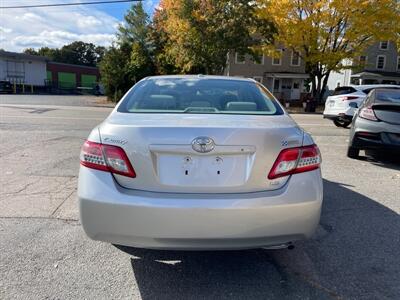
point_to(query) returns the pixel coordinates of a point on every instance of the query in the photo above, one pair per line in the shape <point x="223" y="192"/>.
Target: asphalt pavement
<point x="44" y="253"/>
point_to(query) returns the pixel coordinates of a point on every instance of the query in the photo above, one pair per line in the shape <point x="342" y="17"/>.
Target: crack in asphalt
<point x="68" y="220"/>
<point x="63" y="186"/>
<point x="21" y="189"/>
<point x="62" y="202"/>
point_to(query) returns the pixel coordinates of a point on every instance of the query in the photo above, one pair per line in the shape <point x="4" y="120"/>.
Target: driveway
<point x="45" y="254"/>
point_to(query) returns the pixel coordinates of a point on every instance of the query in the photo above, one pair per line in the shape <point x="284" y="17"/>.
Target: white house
<point x="379" y="64"/>
<point x="23" y="68"/>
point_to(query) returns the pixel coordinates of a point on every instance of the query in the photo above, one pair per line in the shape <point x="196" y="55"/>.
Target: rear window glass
<point x="199" y="95"/>
<point x="366" y="91"/>
<point x="388" y="96"/>
<point x="344" y="90"/>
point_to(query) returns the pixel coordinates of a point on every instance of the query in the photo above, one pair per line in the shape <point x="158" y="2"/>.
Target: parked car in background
<point x="341" y="106"/>
<point x="376" y="125"/>
<point x="199" y="162"/>
<point x="5" y="87"/>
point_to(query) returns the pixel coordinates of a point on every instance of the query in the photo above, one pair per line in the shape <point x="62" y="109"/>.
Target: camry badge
<point x="203" y="144"/>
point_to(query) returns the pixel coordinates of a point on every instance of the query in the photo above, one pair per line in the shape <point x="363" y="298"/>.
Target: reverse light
<point x="296" y="160"/>
<point x="368" y="113"/>
<point x="107" y="158"/>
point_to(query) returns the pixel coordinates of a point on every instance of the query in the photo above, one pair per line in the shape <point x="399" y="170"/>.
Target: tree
<point x="81" y="53"/>
<point x="198" y="34"/>
<point x="113" y="71"/>
<point x="78" y="53"/>
<point x="51" y="53"/>
<point x="130" y="58"/>
<point x="327" y="32"/>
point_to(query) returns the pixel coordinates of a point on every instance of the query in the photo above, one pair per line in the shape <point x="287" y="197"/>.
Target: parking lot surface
<point x="44" y="253"/>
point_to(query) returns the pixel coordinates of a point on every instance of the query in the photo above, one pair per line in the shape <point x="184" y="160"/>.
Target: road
<point x="44" y="253"/>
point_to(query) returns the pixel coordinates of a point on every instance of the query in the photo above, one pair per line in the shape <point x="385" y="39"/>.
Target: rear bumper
<point x="345" y="113"/>
<point x="198" y="221"/>
<point x="379" y="141"/>
<point x="370" y="135"/>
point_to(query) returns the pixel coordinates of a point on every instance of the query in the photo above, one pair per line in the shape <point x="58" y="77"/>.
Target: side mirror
<point x="353" y="105"/>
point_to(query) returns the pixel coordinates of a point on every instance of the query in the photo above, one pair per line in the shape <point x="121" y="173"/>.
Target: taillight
<point x="106" y="158"/>
<point x="296" y="160"/>
<point x="368" y="113"/>
<point x="345" y="98"/>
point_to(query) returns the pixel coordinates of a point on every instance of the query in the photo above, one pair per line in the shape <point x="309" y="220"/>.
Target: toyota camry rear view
<point x="199" y="162"/>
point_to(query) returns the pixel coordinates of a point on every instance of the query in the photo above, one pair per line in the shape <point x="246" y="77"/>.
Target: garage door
<point x="66" y="80"/>
<point x="88" y="80"/>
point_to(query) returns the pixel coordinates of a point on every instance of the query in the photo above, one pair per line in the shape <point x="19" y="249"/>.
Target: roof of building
<point x="72" y="65"/>
<point x="16" y="55"/>
<point x="376" y="73"/>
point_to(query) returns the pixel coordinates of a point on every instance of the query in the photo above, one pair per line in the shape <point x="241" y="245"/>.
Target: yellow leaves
<point x="332" y="30"/>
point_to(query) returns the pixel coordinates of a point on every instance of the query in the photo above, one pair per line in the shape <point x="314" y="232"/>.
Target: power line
<point x="68" y="4"/>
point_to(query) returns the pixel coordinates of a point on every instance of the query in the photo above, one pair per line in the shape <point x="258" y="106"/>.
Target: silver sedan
<point x="199" y="162"/>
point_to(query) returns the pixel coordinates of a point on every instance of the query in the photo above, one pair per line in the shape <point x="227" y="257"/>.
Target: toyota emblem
<point x="203" y="144"/>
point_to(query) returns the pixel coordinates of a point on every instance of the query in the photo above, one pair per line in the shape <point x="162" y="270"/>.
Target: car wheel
<point x="340" y="123"/>
<point x="353" y="152"/>
<point x="346" y="123"/>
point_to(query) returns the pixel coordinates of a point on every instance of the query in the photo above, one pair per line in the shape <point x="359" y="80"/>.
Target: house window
<point x="258" y="79"/>
<point x="277" y="61"/>
<point x="398" y="63"/>
<point x="384" y="45"/>
<point x="259" y="60"/>
<point x="276" y="85"/>
<point x="380" y="62"/>
<point x="295" y="60"/>
<point x="362" y="60"/>
<point x="240" y="58"/>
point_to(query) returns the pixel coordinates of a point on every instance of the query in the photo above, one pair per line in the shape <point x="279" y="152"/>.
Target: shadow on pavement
<point x="389" y="160"/>
<point x="354" y="254"/>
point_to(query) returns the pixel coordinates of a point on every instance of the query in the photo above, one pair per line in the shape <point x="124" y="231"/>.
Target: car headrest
<point x="159" y="102"/>
<point x="241" y="106"/>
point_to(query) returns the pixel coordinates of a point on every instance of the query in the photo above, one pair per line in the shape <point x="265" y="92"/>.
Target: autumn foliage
<point x="326" y="32"/>
<point x="195" y="36"/>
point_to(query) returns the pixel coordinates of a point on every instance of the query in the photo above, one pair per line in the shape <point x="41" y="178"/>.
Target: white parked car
<point x="199" y="162"/>
<point x="341" y="106"/>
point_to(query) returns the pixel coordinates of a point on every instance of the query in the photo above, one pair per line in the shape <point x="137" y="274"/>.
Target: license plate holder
<point x="203" y="170"/>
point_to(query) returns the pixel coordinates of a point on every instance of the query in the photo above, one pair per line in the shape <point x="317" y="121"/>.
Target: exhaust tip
<point x="289" y="246"/>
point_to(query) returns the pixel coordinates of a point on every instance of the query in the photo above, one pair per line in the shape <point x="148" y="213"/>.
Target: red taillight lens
<point x="368" y="113"/>
<point x="345" y="98"/>
<point x="106" y="158"/>
<point x="296" y="160"/>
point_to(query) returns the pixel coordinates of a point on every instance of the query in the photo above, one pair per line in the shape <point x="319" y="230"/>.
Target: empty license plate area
<point x="200" y="170"/>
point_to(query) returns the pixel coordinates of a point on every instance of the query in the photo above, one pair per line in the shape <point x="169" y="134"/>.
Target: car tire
<point x="340" y="123"/>
<point x="353" y="152"/>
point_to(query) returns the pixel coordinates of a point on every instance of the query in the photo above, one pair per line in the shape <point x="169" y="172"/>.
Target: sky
<point x="56" y="26"/>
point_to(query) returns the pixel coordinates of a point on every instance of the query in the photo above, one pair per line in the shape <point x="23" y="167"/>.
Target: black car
<point x="5" y="87"/>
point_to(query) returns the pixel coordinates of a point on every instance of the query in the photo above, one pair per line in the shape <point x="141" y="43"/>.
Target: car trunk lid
<point x="162" y="151"/>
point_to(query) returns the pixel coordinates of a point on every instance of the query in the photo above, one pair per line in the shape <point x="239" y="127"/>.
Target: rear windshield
<point x="199" y="95"/>
<point x="344" y="90"/>
<point x="388" y="96"/>
<point x="366" y="91"/>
